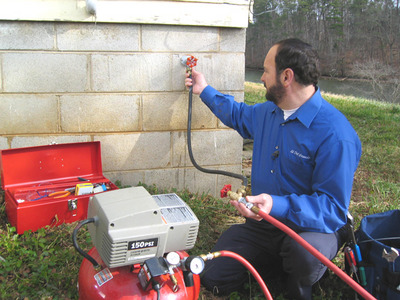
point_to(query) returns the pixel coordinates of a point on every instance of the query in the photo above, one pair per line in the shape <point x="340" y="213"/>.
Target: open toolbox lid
<point x="58" y="162"/>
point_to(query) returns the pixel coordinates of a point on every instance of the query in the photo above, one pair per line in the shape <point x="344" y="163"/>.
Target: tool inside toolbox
<point x="54" y="190"/>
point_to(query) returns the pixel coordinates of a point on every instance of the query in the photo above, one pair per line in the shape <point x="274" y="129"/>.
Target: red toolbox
<point x="51" y="185"/>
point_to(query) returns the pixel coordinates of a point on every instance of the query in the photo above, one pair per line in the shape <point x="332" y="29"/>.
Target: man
<point x="304" y="157"/>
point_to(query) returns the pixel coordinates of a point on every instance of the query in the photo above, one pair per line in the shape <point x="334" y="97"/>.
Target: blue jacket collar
<point x="307" y="112"/>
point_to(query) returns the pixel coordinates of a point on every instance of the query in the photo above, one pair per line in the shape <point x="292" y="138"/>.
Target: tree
<point x="384" y="79"/>
<point x="343" y="31"/>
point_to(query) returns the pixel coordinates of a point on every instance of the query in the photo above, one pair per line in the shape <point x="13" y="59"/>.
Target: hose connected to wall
<point x="189" y="143"/>
<point x="190" y="62"/>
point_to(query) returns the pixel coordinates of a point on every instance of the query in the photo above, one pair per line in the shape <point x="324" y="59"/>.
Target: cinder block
<point x="126" y="178"/>
<point x="1" y="72"/>
<point x="165" y="178"/>
<point x="199" y="182"/>
<point x="44" y="72"/>
<point x="182" y="39"/>
<point x="138" y="151"/>
<point x="27" y="114"/>
<point x="210" y="148"/>
<point x="26" y="35"/>
<point x="97" y="37"/>
<point x="233" y="40"/>
<point x="3" y="142"/>
<point x="131" y="72"/>
<point x="180" y="155"/>
<point x="164" y="112"/>
<point x="202" y="117"/>
<point x="223" y="71"/>
<point x="170" y="112"/>
<point x="31" y="141"/>
<point x="100" y="113"/>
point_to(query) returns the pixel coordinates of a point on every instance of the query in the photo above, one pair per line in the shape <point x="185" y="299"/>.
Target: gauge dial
<point x="173" y="258"/>
<point x="195" y="264"/>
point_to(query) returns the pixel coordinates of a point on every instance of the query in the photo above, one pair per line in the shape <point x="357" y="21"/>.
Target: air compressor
<point x="139" y="247"/>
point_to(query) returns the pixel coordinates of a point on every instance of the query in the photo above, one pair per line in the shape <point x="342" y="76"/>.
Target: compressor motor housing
<point x="132" y="226"/>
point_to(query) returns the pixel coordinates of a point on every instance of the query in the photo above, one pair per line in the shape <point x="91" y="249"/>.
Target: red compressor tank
<point x="123" y="282"/>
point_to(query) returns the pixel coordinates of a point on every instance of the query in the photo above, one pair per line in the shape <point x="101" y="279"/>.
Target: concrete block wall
<point x="122" y="85"/>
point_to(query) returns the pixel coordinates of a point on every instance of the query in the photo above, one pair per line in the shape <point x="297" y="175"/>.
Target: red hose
<point x="252" y="270"/>
<point x="346" y="278"/>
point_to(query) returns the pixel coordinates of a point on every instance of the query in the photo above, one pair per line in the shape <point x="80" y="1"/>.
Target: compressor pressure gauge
<point x="195" y="264"/>
<point x="173" y="258"/>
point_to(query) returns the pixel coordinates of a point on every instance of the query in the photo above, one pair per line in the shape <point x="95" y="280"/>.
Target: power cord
<point x="74" y="241"/>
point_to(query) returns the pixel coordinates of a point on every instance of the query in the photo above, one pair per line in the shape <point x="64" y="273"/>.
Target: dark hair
<point x="301" y="58"/>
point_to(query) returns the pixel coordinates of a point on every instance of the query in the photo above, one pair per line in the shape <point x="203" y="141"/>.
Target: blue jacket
<point x="306" y="163"/>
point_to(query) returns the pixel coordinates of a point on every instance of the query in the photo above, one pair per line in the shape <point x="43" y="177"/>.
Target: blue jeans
<point x="269" y="250"/>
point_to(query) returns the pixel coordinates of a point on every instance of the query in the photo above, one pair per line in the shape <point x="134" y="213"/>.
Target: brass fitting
<point x="189" y="71"/>
<point x="98" y="268"/>
<point x="210" y="256"/>
<point x="227" y="192"/>
<point x="175" y="286"/>
<point x="255" y="209"/>
<point x="240" y="193"/>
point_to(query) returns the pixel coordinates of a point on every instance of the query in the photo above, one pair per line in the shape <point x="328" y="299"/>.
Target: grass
<point x="377" y="180"/>
<point x="44" y="264"/>
<point x="40" y="265"/>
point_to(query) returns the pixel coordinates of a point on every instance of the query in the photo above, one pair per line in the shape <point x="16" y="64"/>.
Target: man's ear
<point x="287" y="77"/>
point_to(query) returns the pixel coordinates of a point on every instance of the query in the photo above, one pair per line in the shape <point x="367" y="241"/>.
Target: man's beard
<point x="275" y="93"/>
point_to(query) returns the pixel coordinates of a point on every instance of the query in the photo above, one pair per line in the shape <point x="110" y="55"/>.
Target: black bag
<point x="379" y="234"/>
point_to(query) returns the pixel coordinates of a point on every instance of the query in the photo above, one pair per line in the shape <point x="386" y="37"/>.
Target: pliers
<point x="55" y="195"/>
<point x="60" y="194"/>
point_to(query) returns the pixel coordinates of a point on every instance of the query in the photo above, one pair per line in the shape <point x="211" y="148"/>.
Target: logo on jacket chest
<point x="300" y="155"/>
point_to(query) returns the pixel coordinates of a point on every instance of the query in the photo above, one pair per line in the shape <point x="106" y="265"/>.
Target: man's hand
<point x="262" y="201"/>
<point x="198" y="82"/>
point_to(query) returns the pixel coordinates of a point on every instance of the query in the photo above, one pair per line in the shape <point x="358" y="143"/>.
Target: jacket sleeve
<point x="236" y="115"/>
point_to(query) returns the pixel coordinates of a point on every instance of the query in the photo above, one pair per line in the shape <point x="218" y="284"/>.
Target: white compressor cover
<point x="132" y="226"/>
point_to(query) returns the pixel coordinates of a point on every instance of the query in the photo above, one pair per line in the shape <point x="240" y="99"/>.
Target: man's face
<point x="275" y="93"/>
<point x="275" y="89"/>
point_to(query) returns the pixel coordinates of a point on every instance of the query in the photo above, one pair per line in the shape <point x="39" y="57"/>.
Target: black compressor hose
<point x="189" y="142"/>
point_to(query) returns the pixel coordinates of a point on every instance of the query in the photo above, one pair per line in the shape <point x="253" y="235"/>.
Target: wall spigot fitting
<point x="184" y="59"/>
<point x="189" y="62"/>
<point x="226" y="191"/>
